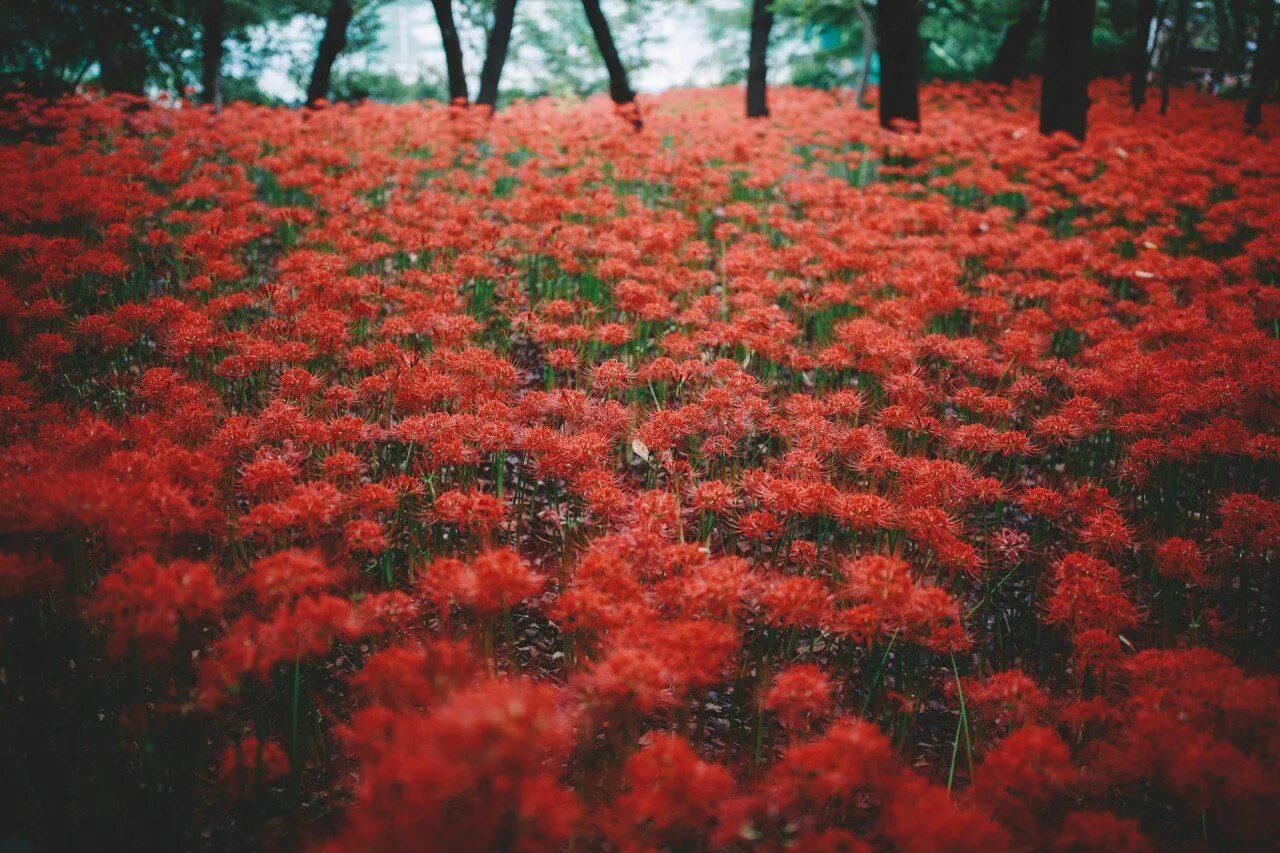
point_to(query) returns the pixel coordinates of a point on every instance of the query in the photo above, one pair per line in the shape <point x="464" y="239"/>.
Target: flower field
<point x="382" y="477"/>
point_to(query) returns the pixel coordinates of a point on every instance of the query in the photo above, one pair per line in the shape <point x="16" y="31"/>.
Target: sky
<point x="679" y="51"/>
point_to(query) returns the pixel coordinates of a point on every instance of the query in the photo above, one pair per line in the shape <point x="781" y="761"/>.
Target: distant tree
<point x="331" y="44"/>
<point x="898" y="39"/>
<point x="1011" y="57"/>
<point x="1068" y="39"/>
<point x="563" y="55"/>
<point x="1140" y="56"/>
<point x="619" y="87"/>
<point x="452" y="50"/>
<point x="1264" y="58"/>
<point x="504" y="15"/>
<point x="1172" y="57"/>
<point x="757" y="59"/>
<point x="212" y="36"/>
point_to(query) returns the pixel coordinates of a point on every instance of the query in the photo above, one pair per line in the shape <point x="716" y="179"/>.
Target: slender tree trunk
<point x="1139" y="58"/>
<point x="331" y="44"/>
<point x="1239" y="10"/>
<point x="1172" y="63"/>
<point x="898" y="35"/>
<point x="211" y="38"/>
<point x="1264" y="58"/>
<point x="504" y="16"/>
<point x="1011" y="56"/>
<point x="619" y="88"/>
<point x="452" y="51"/>
<point x="1064" y="100"/>
<point x="868" y="50"/>
<point x="757" y="59"/>
<point x="1222" y="24"/>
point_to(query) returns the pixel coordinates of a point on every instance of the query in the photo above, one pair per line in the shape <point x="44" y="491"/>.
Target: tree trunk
<point x="1172" y="63"/>
<point x="1011" y="56"/>
<point x="1139" y="58"/>
<point x="1222" y="24"/>
<point x="1239" y="11"/>
<point x="620" y="90"/>
<point x="504" y="16"/>
<point x="757" y="65"/>
<point x="211" y="38"/>
<point x="868" y="49"/>
<point x="452" y="51"/>
<point x="1064" y="100"/>
<point x="331" y="44"/>
<point x="898" y="35"/>
<point x="1264" y="58"/>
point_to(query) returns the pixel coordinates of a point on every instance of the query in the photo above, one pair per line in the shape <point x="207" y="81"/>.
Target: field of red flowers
<point x="384" y="477"/>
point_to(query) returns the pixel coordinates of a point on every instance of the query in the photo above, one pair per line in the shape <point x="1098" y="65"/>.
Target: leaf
<point x="639" y="448"/>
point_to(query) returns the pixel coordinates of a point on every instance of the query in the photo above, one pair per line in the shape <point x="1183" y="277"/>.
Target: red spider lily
<point x="416" y="475"/>
<point x="800" y="696"/>
<point x="144" y="603"/>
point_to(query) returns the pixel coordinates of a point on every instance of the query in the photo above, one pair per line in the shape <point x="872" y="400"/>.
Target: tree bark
<point x="452" y="51"/>
<point x="1011" y="57"/>
<point x="1172" y="63"/>
<point x="1239" y="13"/>
<point x="619" y="88"/>
<point x="331" y="44"/>
<point x="1260" y="79"/>
<point x="211" y="39"/>
<point x="504" y="16"/>
<point x="1139" y="58"/>
<point x="1222" y="24"/>
<point x="757" y="59"/>
<point x="898" y="35"/>
<point x="868" y="49"/>
<point x="1064" y="99"/>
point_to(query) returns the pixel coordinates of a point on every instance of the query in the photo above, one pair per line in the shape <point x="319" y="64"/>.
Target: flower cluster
<point x="395" y="476"/>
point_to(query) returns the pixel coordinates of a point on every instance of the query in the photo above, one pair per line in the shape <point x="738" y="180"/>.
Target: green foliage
<point x="363" y="85"/>
<point x="819" y="42"/>
<point x="556" y="36"/>
<point x="52" y="46"/>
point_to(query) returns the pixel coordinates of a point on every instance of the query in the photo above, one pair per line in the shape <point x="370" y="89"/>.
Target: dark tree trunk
<point x="1222" y="23"/>
<point x="452" y="51"/>
<point x="757" y="59"/>
<point x="1172" y="59"/>
<point x="619" y="89"/>
<point x="1068" y="39"/>
<point x="504" y="16"/>
<point x="211" y="38"/>
<point x="1139" y="58"/>
<point x="331" y="44"/>
<point x="1239" y="11"/>
<point x="898" y="36"/>
<point x="1260" y="79"/>
<point x="1011" y="57"/>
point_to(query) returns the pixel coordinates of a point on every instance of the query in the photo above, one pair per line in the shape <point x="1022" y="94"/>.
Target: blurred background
<point x="394" y="54"/>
